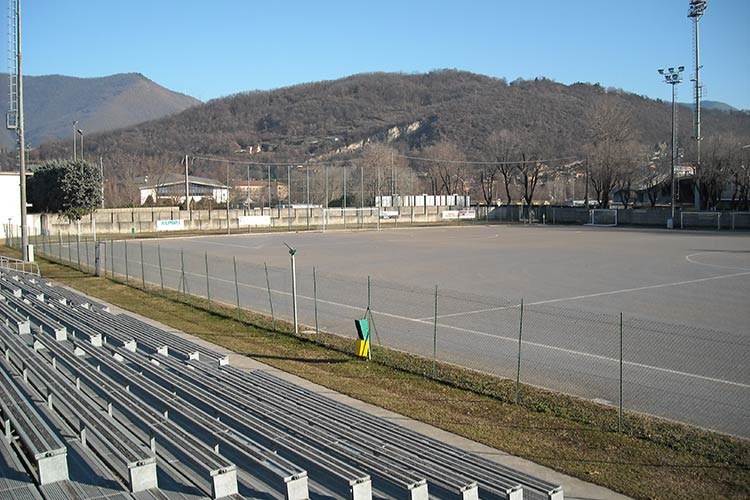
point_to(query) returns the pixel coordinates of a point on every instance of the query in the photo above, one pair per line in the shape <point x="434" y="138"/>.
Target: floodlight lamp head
<point x="681" y="69"/>
<point x="661" y="71"/>
<point x="671" y="70"/>
<point x="697" y="8"/>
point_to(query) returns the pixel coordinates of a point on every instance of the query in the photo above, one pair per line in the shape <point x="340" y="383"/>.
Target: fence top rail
<point x="19" y="266"/>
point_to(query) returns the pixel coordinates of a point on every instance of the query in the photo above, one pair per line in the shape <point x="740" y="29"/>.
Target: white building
<point x="171" y="187"/>
<point x="10" y="205"/>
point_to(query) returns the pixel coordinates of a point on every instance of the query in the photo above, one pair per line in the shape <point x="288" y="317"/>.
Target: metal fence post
<point x="619" y="412"/>
<point x="112" y="258"/>
<point x="86" y="246"/>
<point x="127" y="274"/>
<point x="518" y="368"/>
<point x="236" y="287"/>
<point x="208" y="284"/>
<point x="78" y="251"/>
<point x="161" y="270"/>
<point x="59" y="245"/>
<point x="315" y="300"/>
<point x="70" y="250"/>
<point x="183" y="279"/>
<point x="434" y="335"/>
<point x="143" y="269"/>
<point x="270" y="300"/>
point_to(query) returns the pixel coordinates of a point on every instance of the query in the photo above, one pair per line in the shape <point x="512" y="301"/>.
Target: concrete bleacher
<point x="140" y="400"/>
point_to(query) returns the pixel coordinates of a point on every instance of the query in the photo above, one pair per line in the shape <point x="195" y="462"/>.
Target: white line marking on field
<point x="600" y="294"/>
<point x="690" y="259"/>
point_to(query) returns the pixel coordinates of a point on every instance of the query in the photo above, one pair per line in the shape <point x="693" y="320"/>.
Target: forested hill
<point x="331" y="118"/>
<point x="53" y="102"/>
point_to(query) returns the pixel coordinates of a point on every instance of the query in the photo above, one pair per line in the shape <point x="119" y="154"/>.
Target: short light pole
<point x="672" y="77"/>
<point x="292" y="252"/>
<point x="80" y="132"/>
<point x="74" y="140"/>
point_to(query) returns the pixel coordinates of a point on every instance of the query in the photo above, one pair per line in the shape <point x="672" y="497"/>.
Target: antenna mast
<point x="14" y="117"/>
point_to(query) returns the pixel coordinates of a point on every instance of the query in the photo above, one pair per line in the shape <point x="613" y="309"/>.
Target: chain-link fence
<point x="679" y="372"/>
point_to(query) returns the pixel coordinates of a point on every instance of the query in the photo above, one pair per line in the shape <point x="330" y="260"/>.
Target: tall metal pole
<point x="21" y="140"/>
<point x="269" y="189"/>
<point x="674" y="153"/>
<point x="289" y="195"/>
<point x="101" y="173"/>
<point x="672" y="77"/>
<point x="187" y="186"/>
<point x="695" y="11"/>
<point x="227" y="200"/>
<point x="74" y="140"/>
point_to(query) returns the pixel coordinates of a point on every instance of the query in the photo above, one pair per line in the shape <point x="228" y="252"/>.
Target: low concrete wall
<point x="143" y="220"/>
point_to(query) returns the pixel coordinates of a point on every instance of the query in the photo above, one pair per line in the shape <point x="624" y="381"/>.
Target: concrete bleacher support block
<point x="118" y="357"/>
<point x="24" y="327"/>
<point x="142" y="475"/>
<point x="224" y="361"/>
<point x="131" y="345"/>
<point x="418" y="491"/>
<point x="52" y="466"/>
<point x="224" y="482"/>
<point x="515" y="493"/>
<point x="296" y="487"/>
<point x="61" y="334"/>
<point x="96" y="340"/>
<point x="360" y="490"/>
<point x="78" y="351"/>
<point x="470" y="492"/>
<point x="163" y="350"/>
<point x="194" y="355"/>
<point x="556" y="494"/>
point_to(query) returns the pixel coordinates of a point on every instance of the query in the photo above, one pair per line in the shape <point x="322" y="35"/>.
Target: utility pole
<point x="187" y="187"/>
<point x="74" y="140"/>
<point x="101" y="173"/>
<point x="672" y="77"/>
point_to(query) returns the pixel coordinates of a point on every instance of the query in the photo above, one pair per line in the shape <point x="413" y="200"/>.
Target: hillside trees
<point x="71" y="188"/>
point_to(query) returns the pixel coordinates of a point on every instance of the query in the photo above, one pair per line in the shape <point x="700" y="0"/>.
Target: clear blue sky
<point x="210" y="49"/>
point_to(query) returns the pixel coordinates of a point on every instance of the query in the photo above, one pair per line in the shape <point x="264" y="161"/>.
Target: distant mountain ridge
<point x="716" y="105"/>
<point x="53" y="102"/>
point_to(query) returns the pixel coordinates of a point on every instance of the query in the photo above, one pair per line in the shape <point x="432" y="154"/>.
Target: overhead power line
<point x="408" y="157"/>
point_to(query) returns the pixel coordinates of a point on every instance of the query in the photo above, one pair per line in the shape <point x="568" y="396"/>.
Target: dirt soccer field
<point x="684" y="297"/>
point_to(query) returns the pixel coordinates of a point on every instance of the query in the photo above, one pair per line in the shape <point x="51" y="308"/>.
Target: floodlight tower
<point x="672" y="77"/>
<point x="14" y="117"/>
<point x="695" y="11"/>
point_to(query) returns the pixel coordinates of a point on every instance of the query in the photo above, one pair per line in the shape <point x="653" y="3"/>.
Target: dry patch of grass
<point x="651" y="458"/>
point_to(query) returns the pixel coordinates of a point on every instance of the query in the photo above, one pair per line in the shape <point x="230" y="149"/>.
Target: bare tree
<point x="504" y="147"/>
<point x="718" y="163"/>
<point x="610" y="146"/>
<point x="383" y="170"/>
<point x="445" y="168"/>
